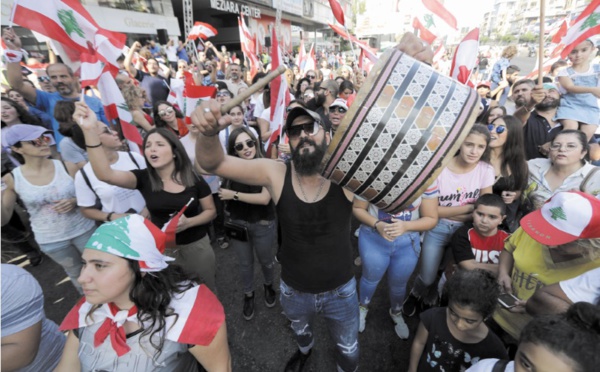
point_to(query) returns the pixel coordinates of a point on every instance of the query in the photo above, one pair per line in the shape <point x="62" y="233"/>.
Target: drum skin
<point x="404" y="126"/>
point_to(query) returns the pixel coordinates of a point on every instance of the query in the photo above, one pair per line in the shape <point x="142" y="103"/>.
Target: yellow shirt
<point x="533" y="269"/>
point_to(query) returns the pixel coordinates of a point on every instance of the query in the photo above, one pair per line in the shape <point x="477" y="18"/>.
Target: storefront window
<point x="144" y="6"/>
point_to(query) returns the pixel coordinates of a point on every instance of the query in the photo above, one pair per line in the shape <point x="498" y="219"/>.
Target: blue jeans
<point x="261" y="239"/>
<point x="339" y="307"/>
<point x="434" y="246"/>
<point x="379" y="255"/>
<point x="67" y="253"/>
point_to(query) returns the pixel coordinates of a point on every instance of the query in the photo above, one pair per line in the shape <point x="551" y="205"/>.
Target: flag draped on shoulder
<point x="584" y="27"/>
<point x="280" y="96"/>
<point x="432" y="19"/>
<point x="248" y="45"/>
<point x="465" y="57"/>
<point x="202" y="30"/>
<point x="70" y="24"/>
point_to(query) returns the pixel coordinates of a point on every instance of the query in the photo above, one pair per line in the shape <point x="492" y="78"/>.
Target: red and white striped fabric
<point x="369" y="53"/>
<point x="280" y="97"/>
<point x="465" y="57"/>
<point x="560" y="31"/>
<point x="432" y="20"/>
<point x="90" y="70"/>
<point x="584" y="27"/>
<point x="193" y="95"/>
<point x="554" y="57"/>
<point x="70" y="24"/>
<point x="170" y="228"/>
<point x="439" y="53"/>
<point x="199" y="317"/>
<point x="338" y="13"/>
<point x="301" y="54"/>
<point x="310" y="61"/>
<point x="248" y="46"/>
<point x="202" y="30"/>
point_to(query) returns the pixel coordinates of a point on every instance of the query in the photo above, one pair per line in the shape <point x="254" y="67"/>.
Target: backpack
<point x="98" y="203"/>
<point x="500" y="365"/>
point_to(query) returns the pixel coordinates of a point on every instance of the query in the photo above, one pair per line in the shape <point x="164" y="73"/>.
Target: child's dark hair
<point x="491" y="200"/>
<point x="477" y="289"/>
<point x="575" y="334"/>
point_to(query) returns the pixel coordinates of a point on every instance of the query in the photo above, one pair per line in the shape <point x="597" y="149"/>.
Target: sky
<point x="471" y="15"/>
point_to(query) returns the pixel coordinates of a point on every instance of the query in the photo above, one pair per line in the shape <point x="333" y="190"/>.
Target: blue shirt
<point x="46" y="101"/>
<point x="182" y="54"/>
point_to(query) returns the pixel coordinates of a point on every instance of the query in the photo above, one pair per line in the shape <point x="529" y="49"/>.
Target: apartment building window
<point x="144" y="6"/>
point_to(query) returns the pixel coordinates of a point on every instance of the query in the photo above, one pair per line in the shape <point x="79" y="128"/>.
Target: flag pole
<point x="12" y="13"/>
<point x="541" y="48"/>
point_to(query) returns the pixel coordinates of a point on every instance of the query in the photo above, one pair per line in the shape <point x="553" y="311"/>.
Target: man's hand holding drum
<point x="416" y="48"/>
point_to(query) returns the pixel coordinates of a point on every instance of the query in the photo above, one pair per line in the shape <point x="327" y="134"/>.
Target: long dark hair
<point x="485" y="132"/>
<point x="183" y="172"/>
<point x="298" y="94"/>
<point x="158" y="121"/>
<point x="513" y="153"/>
<point x="486" y="116"/>
<point x="24" y="115"/>
<point x="234" y="135"/>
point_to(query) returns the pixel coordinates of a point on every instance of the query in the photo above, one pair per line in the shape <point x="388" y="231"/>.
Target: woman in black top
<point x="167" y="185"/>
<point x="258" y="218"/>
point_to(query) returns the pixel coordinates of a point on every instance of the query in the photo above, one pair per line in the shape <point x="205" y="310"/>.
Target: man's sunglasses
<point x="310" y="129"/>
<point x="240" y="146"/>
<point x="311" y="76"/>
<point x="341" y="110"/>
<point x="164" y="112"/>
<point x="39" y="142"/>
<point x="499" y="129"/>
<point x="43" y="79"/>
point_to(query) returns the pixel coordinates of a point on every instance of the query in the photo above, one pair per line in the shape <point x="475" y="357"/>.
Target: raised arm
<point x="136" y="46"/>
<point x="13" y="68"/>
<point x="86" y="118"/>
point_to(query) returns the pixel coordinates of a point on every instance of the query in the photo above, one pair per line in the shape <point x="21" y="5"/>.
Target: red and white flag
<point x="115" y="106"/>
<point x="301" y="54"/>
<point x="70" y="24"/>
<point x="280" y="96"/>
<point x="91" y="69"/>
<point x="560" y="31"/>
<point x="369" y="53"/>
<point x="338" y="13"/>
<point x="432" y="20"/>
<point x="202" y="30"/>
<point x="584" y="27"/>
<point x="465" y="57"/>
<point x="248" y="45"/>
<point x="553" y="57"/>
<point x="439" y="53"/>
<point x="193" y="95"/>
<point x="170" y="227"/>
<point x="310" y="61"/>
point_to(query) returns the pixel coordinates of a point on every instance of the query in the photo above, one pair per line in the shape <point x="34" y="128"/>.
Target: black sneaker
<point x="409" y="307"/>
<point x="297" y="361"/>
<point x="270" y="295"/>
<point x="223" y="243"/>
<point x="248" y="311"/>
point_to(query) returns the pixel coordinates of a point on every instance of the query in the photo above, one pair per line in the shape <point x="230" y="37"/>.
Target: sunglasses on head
<point x="43" y="79"/>
<point x="341" y="110"/>
<point x="240" y="145"/>
<point x="39" y="142"/>
<point x="311" y="76"/>
<point x="167" y="111"/>
<point x="310" y="129"/>
<point x="499" y="129"/>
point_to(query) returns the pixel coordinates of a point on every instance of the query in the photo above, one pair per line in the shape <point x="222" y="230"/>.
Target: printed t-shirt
<point x="461" y="189"/>
<point x="468" y="244"/>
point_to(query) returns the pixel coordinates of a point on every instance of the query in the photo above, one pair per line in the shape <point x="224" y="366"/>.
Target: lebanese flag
<point x="310" y="62"/>
<point x="280" y="96"/>
<point x="170" y="228"/>
<point x="338" y="13"/>
<point x="585" y="26"/>
<point x="547" y="65"/>
<point x="433" y="20"/>
<point x="248" y="45"/>
<point x="90" y="70"/>
<point x="202" y="30"/>
<point x="301" y="54"/>
<point x="70" y="24"/>
<point x="193" y="95"/>
<point x="561" y="32"/>
<point x="364" y="63"/>
<point x="465" y="57"/>
<point x="199" y="317"/>
<point x="115" y="106"/>
<point x="369" y="53"/>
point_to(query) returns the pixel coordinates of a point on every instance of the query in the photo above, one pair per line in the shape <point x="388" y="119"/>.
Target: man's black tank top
<point x="316" y="253"/>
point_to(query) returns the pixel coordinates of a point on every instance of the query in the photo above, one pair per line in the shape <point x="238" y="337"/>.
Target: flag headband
<point x="135" y="238"/>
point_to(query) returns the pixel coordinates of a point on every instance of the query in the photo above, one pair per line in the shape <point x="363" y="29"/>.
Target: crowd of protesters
<point x="504" y="246"/>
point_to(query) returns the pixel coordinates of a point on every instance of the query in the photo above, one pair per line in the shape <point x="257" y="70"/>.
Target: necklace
<point x="304" y="194"/>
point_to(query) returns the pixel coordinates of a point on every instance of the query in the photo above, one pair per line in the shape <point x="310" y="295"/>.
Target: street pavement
<point x="266" y="342"/>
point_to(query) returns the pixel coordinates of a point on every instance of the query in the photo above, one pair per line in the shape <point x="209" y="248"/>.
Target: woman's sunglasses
<point x="240" y="146"/>
<point x="164" y="112"/>
<point x="341" y="110"/>
<point x="499" y="129"/>
<point x="39" y="142"/>
<point x="44" y="79"/>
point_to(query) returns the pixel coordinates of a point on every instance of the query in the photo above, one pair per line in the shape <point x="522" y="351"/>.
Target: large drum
<point x="405" y="124"/>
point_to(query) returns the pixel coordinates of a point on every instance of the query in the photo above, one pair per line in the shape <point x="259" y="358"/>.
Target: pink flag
<point x="585" y="26"/>
<point x="280" y="97"/>
<point x="338" y="13"/>
<point x="465" y="57"/>
<point x="202" y="30"/>
<point x="193" y="95"/>
<point x="170" y="227"/>
<point x="69" y="23"/>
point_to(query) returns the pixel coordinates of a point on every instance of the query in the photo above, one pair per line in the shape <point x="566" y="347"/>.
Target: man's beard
<point x="521" y="101"/>
<point x="547" y="105"/>
<point x="307" y="164"/>
<point x="64" y="90"/>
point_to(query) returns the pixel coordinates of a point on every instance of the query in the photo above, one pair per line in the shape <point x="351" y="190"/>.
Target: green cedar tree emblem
<point x="558" y="214"/>
<point x="69" y="22"/>
<point x="428" y="18"/>
<point x="591" y="21"/>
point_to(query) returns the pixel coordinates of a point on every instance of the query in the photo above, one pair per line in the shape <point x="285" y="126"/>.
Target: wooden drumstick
<point x="252" y="89"/>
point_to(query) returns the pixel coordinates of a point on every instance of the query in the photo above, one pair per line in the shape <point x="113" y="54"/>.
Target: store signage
<point x="233" y="7"/>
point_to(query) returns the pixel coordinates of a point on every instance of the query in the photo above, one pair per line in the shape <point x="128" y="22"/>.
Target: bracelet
<point x="93" y="147"/>
<point x="108" y="216"/>
<point x="375" y="224"/>
<point x="236" y="196"/>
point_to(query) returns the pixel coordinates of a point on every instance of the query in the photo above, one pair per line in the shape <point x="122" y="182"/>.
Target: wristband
<point x="375" y="224"/>
<point x="13" y="56"/>
<point x="94" y="146"/>
<point x="108" y="216"/>
<point x="236" y="196"/>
